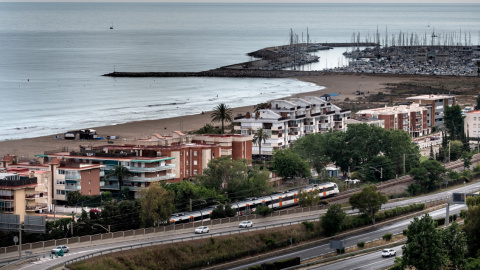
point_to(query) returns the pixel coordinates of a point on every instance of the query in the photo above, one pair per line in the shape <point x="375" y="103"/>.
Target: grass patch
<point x="202" y="252"/>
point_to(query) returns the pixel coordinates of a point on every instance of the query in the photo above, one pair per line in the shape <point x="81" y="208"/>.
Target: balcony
<point x="73" y="187"/>
<point x="73" y="177"/>
<point x="300" y="116"/>
<point x="152" y="169"/>
<point x="19" y="182"/>
<point x="29" y="208"/>
<point x="111" y="187"/>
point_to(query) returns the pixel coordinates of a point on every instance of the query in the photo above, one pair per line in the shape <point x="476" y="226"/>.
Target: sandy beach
<point x="343" y="84"/>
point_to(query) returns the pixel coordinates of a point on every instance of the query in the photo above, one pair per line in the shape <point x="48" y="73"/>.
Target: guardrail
<point x="159" y="242"/>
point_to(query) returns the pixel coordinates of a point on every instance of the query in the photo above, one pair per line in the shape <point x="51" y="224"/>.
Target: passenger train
<point x="274" y="201"/>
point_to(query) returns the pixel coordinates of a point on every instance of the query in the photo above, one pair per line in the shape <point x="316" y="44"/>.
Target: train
<point x="274" y="201"/>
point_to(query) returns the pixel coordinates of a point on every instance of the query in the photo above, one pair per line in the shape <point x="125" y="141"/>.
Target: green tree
<point x="398" y="147"/>
<point x="260" y="137"/>
<point x="454" y="150"/>
<point x="472" y="264"/>
<point x="332" y="221"/>
<point x="306" y="198"/>
<point x="472" y="225"/>
<point x="467" y="159"/>
<point x="208" y="129"/>
<point x="432" y="155"/>
<point x="120" y="172"/>
<point x="429" y="175"/>
<point x="222" y="113"/>
<point x="455" y="244"/>
<point x="368" y="201"/>
<point x="106" y="196"/>
<point x="288" y="164"/>
<point x="157" y="205"/>
<point x="73" y="197"/>
<point x="424" y="248"/>
<point x="453" y="121"/>
<point x="312" y="148"/>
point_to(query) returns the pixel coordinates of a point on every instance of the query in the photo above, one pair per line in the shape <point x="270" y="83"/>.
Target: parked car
<point x="58" y="248"/>
<point x="389" y="252"/>
<point x="202" y="229"/>
<point x="245" y="224"/>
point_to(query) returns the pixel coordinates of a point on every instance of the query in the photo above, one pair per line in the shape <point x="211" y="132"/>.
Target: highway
<point x="78" y="250"/>
<point x="311" y="252"/>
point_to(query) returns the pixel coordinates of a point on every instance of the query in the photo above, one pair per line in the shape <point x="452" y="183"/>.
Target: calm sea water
<point x="52" y="55"/>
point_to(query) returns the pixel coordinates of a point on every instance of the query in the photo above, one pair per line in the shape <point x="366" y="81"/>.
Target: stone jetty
<point x="221" y="72"/>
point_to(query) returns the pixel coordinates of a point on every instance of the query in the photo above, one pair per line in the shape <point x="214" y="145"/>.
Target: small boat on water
<point x="111" y="27"/>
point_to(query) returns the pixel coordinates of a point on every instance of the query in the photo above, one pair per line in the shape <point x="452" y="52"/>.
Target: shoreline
<point x="343" y="84"/>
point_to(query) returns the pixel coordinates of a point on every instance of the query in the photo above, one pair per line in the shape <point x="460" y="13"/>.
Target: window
<point x="195" y="153"/>
<point x="195" y="172"/>
<point x="60" y="192"/>
<point x="186" y="162"/>
<point x="195" y="162"/>
<point x="89" y="182"/>
<point x="61" y="171"/>
<point x="89" y="192"/>
<point x="60" y="182"/>
<point x="474" y="118"/>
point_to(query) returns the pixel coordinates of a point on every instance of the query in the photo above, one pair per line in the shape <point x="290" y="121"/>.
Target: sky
<point x="272" y="1"/>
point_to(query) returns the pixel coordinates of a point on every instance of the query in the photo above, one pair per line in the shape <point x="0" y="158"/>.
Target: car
<point x="245" y="224"/>
<point x="202" y="229"/>
<point x="389" y="252"/>
<point x="57" y="249"/>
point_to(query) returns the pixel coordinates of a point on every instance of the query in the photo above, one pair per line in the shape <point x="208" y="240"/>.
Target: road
<point x="315" y="251"/>
<point x="79" y="250"/>
<point x="369" y="261"/>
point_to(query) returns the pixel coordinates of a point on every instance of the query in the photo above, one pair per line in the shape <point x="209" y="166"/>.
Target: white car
<point x="389" y="252"/>
<point x="58" y="248"/>
<point x="245" y="224"/>
<point x="202" y="229"/>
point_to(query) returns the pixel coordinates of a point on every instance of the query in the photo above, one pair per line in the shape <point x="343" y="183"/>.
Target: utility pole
<point x="20" y="241"/>
<point x="404" y="163"/>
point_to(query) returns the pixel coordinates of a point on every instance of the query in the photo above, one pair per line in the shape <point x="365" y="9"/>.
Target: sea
<point x="53" y="55"/>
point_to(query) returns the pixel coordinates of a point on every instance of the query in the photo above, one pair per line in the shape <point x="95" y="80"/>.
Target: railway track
<point x="406" y="179"/>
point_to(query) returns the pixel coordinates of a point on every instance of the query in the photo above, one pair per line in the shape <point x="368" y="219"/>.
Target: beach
<point x="343" y="84"/>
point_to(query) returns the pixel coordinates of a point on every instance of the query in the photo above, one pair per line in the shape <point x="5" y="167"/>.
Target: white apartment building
<point x="472" y="124"/>
<point x="285" y="121"/>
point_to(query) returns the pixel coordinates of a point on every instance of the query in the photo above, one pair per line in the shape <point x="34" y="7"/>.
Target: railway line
<point x="406" y="179"/>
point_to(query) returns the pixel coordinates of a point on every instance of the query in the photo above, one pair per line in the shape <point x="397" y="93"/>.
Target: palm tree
<point x="260" y="106"/>
<point x="222" y="113"/>
<point x="120" y="172"/>
<point x="259" y="137"/>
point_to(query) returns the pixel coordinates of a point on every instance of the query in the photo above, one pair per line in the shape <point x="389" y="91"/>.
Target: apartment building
<point x="472" y="124"/>
<point x="87" y="169"/>
<point x="411" y="118"/>
<point x="365" y="120"/>
<point x="437" y="104"/>
<point x="17" y="194"/>
<point x="285" y="121"/>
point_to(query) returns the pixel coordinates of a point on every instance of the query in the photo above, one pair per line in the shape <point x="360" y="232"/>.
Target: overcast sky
<point x="269" y="1"/>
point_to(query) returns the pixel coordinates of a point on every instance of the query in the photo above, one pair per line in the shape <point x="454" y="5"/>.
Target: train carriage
<point x="247" y="206"/>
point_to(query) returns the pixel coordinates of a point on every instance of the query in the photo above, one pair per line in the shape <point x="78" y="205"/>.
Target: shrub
<point x="440" y="221"/>
<point x="463" y="213"/>
<point x="322" y="202"/>
<point x="263" y="210"/>
<point x="360" y="244"/>
<point x="387" y="237"/>
<point x="308" y="225"/>
<point x="405" y="232"/>
<point x="341" y="251"/>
